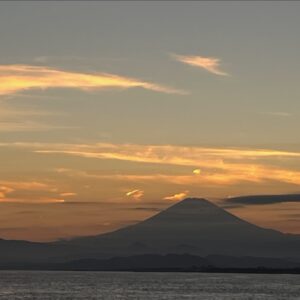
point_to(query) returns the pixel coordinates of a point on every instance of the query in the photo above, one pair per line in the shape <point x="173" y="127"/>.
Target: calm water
<point x="145" y="286"/>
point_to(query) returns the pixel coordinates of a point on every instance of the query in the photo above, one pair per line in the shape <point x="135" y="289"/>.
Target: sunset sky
<point x="110" y="112"/>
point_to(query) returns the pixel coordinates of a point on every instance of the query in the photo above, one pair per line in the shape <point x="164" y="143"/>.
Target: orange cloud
<point x="4" y="190"/>
<point x="210" y="64"/>
<point x="217" y="165"/>
<point x="163" y="154"/>
<point x="68" y="194"/>
<point x="197" y="171"/>
<point x="25" y="185"/>
<point x="41" y="200"/>
<point x="135" y="194"/>
<point x="177" y="197"/>
<point x="16" y="78"/>
<point x="11" y="192"/>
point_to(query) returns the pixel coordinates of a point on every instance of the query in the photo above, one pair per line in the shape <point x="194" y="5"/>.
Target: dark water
<point x="145" y="286"/>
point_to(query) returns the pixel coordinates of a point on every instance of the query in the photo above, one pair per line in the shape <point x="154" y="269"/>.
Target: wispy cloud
<point x="4" y="190"/>
<point x="19" y="120"/>
<point x="210" y="64"/>
<point x="264" y="199"/>
<point x="22" y="126"/>
<point x="221" y="166"/>
<point x="26" y="185"/>
<point x="68" y="194"/>
<point x="277" y="114"/>
<point x="184" y="180"/>
<point x="177" y="197"/>
<point x="135" y="194"/>
<point x="17" y="78"/>
<point x="12" y="112"/>
<point x="40" y="200"/>
<point x="40" y="192"/>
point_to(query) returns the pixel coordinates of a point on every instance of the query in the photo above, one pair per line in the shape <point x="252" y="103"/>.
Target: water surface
<point x="25" y="285"/>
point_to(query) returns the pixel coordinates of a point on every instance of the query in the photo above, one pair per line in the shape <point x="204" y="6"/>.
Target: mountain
<point x="193" y="226"/>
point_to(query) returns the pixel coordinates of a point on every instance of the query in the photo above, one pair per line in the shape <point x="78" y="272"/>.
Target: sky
<point x="113" y="111"/>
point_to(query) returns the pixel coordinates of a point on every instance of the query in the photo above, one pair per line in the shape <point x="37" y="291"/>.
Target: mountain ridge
<point x="194" y="226"/>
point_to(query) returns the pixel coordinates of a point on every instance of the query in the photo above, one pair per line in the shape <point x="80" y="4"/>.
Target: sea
<point x="50" y="285"/>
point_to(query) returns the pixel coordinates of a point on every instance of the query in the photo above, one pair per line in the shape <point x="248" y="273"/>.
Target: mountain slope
<point x="194" y="226"/>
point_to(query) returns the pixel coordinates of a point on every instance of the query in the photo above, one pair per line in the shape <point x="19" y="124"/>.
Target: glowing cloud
<point x="68" y="194"/>
<point x="218" y="165"/>
<point x="10" y="186"/>
<point x="4" y="190"/>
<point x="16" y="78"/>
<point x="41" y="200"/>
<point x="177" y="197"/>
<point x="11" y="192"/>
<point x="197" y="171"/>
<point x="210" y="64"/>
<point x="135" y="194"/>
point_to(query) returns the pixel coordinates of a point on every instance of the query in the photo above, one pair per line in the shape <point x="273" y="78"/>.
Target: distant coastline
<point x="185" y="263"/>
